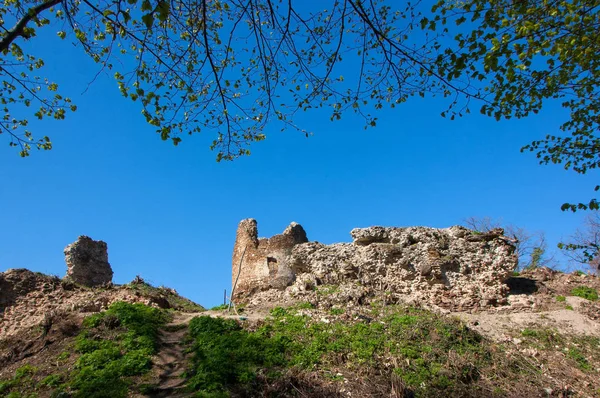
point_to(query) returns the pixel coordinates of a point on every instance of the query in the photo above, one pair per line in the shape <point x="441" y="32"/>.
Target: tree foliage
<point x="525" y="53"/>
<point x="233" y="66"/>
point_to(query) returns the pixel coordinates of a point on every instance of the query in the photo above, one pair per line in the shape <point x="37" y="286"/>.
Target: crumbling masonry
<point x="454" y="268"/>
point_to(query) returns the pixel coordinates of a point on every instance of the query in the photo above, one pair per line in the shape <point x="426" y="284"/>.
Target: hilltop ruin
<point x="454" y="268"/>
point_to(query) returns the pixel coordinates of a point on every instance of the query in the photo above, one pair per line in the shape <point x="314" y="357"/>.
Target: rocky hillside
<point x="32" y="304"/>
<point x="61" y="339"/>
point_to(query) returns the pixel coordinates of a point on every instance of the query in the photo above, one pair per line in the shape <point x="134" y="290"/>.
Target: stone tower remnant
<point x="260" y="264"/>
<point x="87" y="262"/>
<point x="450" y="267"/>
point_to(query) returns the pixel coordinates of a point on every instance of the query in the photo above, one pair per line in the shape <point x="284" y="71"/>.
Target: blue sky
<point x="170" y="213"/>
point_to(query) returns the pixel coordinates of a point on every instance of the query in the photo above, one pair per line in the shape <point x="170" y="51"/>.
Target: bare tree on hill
<point x="530" y="247"/>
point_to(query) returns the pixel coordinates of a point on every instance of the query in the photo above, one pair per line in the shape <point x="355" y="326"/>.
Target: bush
<point x="225" y="356"/>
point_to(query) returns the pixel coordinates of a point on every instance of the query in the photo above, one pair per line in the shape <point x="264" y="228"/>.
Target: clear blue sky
<point x="170" y="213"/>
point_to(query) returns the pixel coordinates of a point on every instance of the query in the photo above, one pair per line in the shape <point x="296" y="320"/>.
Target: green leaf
<point x="148" y="20"/>
<point x="163" y="10"/>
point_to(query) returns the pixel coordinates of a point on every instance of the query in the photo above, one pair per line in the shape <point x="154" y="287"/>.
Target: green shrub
<point x="585" y="292"/>
<point x="561" y="299"/>
<point x="129" y="336"/>
<point x="21" y="381"/>
<point x="52" y="381"/>
<point x="226" y="355"/>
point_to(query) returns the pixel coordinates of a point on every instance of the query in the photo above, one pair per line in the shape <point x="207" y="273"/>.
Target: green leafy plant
<point x="229" y="358"/>
<point x="305" y="306"/>
<point x="225" y="355"/>
<point x="585" y="292"/>
<point x="115" y="345"/>
<point x="21" y="381"/>
<point x="326" y="290"/>
<point x="336" y="311"/>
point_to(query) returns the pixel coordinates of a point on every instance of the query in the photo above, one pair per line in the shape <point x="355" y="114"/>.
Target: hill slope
<point x="58" y="339"/>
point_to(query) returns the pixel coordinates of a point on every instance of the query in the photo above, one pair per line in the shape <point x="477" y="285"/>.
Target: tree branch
<point x="19" y="28"/>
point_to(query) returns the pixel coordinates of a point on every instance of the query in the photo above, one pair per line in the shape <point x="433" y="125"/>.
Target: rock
<point x="87" y="262"/>
<point x="260" y="264"/>
<point x="15" y="283"/>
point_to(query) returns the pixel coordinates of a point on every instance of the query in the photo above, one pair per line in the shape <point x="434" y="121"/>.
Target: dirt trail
<point x="171" y="360"/>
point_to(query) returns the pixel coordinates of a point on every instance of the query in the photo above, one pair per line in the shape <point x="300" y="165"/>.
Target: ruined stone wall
<point x="453" y="267"/>
<point x="87" y="262"/>
<point x="260" y="264"/>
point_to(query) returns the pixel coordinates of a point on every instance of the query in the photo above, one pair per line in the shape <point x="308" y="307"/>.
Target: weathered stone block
<point x="87" y="262"/>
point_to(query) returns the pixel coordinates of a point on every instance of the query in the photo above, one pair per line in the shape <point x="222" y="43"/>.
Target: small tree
<point x="584" y="247"/>
<point x="530" y="247"/>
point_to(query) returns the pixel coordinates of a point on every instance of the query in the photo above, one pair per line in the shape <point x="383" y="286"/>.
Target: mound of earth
<point x="30" y="300"/>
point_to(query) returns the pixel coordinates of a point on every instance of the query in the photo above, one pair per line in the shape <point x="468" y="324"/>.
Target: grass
<point x="221" y="307"/>
<point x="576" y="355"/>
<point x="585" y="292"/>
<point x="305" y="306"/>
<point x="561" y="299"/>
<point x="336" y="311"/>
<point x="326" y="290"/>
<point x="577" y="348"/>
<point x="114" y="346"/>
<point x="431" y="355"/>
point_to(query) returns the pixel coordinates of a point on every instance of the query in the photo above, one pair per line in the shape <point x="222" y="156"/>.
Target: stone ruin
<point x="453" y="268"/>
<point x="87" y="262"/>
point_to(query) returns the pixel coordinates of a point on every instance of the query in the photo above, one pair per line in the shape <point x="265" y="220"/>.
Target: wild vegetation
<point x="260" y="62"/>
<point x="410" y="351"/>
<point x="112" y="348"/>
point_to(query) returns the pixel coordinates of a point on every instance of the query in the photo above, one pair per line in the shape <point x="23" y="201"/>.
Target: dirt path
<point x="171" y="361"/>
